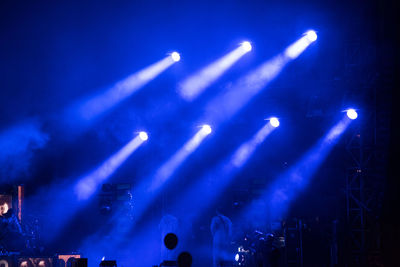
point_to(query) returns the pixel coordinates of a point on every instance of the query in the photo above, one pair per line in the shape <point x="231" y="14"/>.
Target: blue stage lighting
<point x="175" y="56"/>
<point x="311" y="36"/>
<point x="206" y="129"/>
<point x="143" y="136"/>
<point x="246" y="46"/>
<point x="352" y="114"/>
<point x="274" y="122"/>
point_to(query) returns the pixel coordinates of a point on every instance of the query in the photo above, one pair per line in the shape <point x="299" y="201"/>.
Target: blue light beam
<point x="168" y="168"/>
<point x="288" y="185"/>
<point x="210" y="186"/>
<point x="123" y="89"/>
<point x="194" y="85"/>
<point x="88" y="185"/>
<point x="228" y="103"/>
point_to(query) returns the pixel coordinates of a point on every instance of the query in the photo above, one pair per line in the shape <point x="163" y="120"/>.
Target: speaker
<point x="108" y="264"/>
<point x="81" y="262"/>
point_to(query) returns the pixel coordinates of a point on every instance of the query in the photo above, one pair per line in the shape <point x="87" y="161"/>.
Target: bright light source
<point x="143" y="136"/>
<point x="175" y="56"/>
<point x="274" y="122"/>
<point x="352" y="114"/>
<point x="237" y="257"/>
<point x="206" y="129"/>
<point x="311" y="36"/>
<point x="246" y="46"/>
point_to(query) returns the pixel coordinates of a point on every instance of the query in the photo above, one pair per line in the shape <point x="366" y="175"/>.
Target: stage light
<point x="352" y="114"/>
<point x="311" y="35"/>
<point x="274" y="122"/>
<point x="237" y="257"/>
<point x="175" y="56"/>
<point x="144" y="136"/>
<point x="246" y="46"/>
<point x="206" y="129"/>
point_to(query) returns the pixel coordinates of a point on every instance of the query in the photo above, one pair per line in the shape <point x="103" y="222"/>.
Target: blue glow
<point x="352" y="114"/>
<point x="175" y="56"/>
<point x="194" y="85"/>
<point x="274" y="122"/>
<point x="88" y="184"/>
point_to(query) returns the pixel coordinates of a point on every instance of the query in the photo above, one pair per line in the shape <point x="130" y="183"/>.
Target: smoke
<point x="18" y="144"/>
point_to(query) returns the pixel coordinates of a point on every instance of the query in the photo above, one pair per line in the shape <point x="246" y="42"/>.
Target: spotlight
<point x="246" y="46"/>
<point x="175" y="56"/>
<point x="311" y="35"/>
<point x="274" y="122"/>
<point x="143" y="136"/>
<point x="206" y="129"/>
<point x="352" y="114"/>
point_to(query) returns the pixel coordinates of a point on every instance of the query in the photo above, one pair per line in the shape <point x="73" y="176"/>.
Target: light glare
<point x="206" y="129"/>
<point x="311" y="36"/>
<point x="246" y="46"/>
<point x="352" y="114"/>
<point x="175" y="56"/>
<point x="144" y="136"/>
<point x="274" y="122"/>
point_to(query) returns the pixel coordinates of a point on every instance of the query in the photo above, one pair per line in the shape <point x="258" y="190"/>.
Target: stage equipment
<point x="111" y="263"/>
<point x="81" y="262"/>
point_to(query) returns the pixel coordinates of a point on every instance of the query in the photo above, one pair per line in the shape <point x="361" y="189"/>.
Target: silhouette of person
<point x="221" y="230"/>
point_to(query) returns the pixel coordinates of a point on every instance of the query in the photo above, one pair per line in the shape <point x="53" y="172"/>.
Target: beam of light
<point x="123" y="89"/>
<point x="288" y="185"/>
<point x="194" y="85"/>
<point x="168" y="168"/>
<point x="147" y="191"/>
<point x="203" y="193"/>
<point x="87" y="185"/>
<point x="235" y="97"/>
<point x="298" y="47"/>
